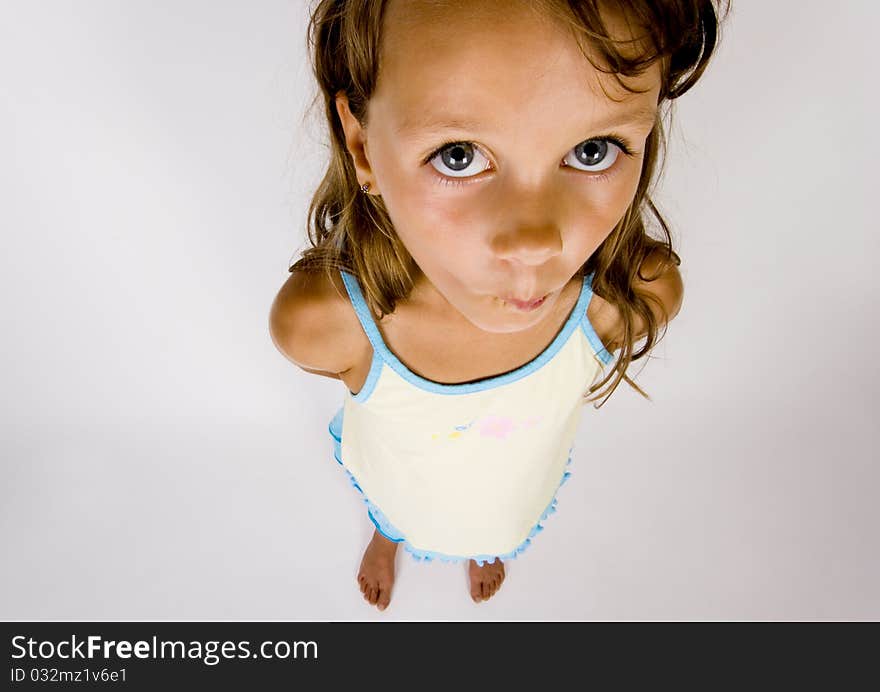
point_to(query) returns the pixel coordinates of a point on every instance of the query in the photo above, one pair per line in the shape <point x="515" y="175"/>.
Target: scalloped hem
<point x="389" y="531"/>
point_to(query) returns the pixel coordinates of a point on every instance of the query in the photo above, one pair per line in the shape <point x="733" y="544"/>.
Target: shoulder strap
<point x="595" y="342"/>
<point x="363" y="311"/>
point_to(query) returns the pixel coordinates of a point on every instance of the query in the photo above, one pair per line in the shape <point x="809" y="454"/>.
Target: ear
<point x="356" y="143"/>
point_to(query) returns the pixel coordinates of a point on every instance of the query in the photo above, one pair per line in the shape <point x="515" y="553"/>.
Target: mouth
<point x="525" y="306"/>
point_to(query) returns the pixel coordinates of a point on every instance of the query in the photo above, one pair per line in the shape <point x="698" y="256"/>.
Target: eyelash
<point x="615" y="139"/>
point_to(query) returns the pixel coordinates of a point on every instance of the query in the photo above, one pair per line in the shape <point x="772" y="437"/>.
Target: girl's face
<point x="500" y="160"/>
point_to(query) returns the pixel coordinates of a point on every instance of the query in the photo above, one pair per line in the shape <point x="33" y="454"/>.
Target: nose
<point x="529" y="242"/>
<point x="529" y="231"/>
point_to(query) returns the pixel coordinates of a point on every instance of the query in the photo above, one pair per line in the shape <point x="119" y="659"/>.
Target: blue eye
<point x="455" y="159"/>
<point x="593" y="152"/>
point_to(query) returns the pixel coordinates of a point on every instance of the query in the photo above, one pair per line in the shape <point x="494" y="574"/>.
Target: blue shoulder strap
<point x="363" y="312"/>
<point x="595" y="342"/>
<point x="365" y="317"/>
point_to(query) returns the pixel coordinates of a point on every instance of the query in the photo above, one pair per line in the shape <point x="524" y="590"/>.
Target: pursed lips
<point x="525" y="304"/>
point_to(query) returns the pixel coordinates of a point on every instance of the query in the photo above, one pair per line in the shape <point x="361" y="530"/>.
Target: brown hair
<point x="344" y="42"/>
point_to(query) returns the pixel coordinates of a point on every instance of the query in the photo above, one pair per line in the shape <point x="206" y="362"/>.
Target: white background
<point x="161" y="460"/>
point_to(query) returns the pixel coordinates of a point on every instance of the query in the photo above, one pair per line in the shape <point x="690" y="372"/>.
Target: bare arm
<point x="310" y="327"/>
<point x="335" y="376"/>
<point x="667" y="289"/>
<point x="665" y="298"/>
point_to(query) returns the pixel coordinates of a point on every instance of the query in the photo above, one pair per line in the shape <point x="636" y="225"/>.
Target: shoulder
<point x="313" y="323"/>
<point x="665" y="293"/>
<point x="659" y="282"/>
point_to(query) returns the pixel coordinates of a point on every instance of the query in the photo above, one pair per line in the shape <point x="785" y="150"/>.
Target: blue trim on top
<point x="590" y="332"/>
<point x="595" y="342"/>
<point x="366" y="319"/>
<point x="392" y="533"/>
<point x="382" y="354"/>
<point x="372" y="378"/>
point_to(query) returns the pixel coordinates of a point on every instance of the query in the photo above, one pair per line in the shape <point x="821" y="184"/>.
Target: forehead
<point x="495" y="61"/>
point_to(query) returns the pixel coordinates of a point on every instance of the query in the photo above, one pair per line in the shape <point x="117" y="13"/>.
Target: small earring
<point x="365" y="187"/>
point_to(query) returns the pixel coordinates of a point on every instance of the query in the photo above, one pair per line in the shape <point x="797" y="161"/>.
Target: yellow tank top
<point x="465" y="471"/>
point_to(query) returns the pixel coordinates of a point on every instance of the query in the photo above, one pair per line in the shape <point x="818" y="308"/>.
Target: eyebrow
<point x="643" y="115"/>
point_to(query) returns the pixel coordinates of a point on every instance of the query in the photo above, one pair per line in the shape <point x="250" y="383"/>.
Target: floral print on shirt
<point x="491" y="426"/>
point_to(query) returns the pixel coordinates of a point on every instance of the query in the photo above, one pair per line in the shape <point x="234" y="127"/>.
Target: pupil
<point x="457" y="157"/>
<point x="592" y="152"/>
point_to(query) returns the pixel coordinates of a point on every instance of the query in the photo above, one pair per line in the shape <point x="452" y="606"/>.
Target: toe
<point x="384" y="598"/>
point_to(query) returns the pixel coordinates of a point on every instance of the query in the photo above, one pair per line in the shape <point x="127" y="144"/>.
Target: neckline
<point x="383" y="354"/>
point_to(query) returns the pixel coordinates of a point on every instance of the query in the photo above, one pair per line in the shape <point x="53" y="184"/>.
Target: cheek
<point x="609" y="203"/>
<point x="434" y="222"/>
<point x="420" y="212"/>
<point x="588" y="216"/>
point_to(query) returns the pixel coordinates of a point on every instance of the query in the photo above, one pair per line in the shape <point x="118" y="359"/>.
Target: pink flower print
<point x="497" y="426"/>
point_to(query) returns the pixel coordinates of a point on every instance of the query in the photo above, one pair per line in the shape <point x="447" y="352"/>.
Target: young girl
<point x="480" y="249"/>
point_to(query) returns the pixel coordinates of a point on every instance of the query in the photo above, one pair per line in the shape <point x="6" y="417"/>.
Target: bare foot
<point x="376" y="575"/>
<point x="485" y="580"/>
